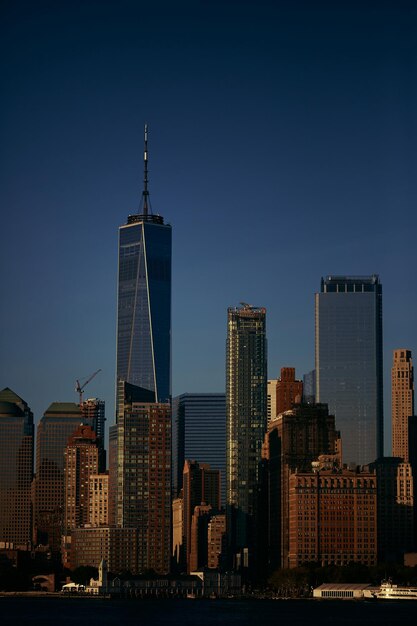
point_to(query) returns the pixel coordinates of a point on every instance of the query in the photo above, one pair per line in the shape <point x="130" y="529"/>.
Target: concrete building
<point x="56" y="426"/>
<point x="271" y="399"/>
<point x="332" y="517"/>
<point x="81" y="461"/>
<point x="216" y="540"/>
<point x="246" y="414"/>
<point x="289" y="390"/>
<point x="16" y="468"/>
<point x="294" y="440"/>
<point x="198" y="554"/>
<point x="98" y="500"/>
<point x="402" y="403"/>
<point x="144" y="475"/>
<point x="348" y="338"/>
<point x="117" y="546"/>
<point x="201" y="487"/>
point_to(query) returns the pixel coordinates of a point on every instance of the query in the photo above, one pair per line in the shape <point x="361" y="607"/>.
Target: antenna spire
<point x="145" y="193"/>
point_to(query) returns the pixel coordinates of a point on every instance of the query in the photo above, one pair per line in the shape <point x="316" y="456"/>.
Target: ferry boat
<point x="388" y="591"/>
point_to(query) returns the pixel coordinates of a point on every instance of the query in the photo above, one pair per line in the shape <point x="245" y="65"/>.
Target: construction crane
<point x="79" y="388"/>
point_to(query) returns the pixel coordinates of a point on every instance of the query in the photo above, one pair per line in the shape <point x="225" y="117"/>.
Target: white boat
<point x="388" y="591"/>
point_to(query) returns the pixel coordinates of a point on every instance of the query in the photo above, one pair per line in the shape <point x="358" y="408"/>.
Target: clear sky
<point x="282" y="141"/>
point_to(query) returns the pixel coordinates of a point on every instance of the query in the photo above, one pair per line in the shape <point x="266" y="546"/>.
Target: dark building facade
<point x="143" y="498"/>
<point x="16" y="468"/>
<point x="198" y="432"/>
<point x="349" y="362"/>
<point x="201" y="487"/>
<point x="144" y="300"/>
<point x="56" y="426"/>
<point x="294" y="440"/>
<point x="246" y="419"/>
<point x="93" y="412"/>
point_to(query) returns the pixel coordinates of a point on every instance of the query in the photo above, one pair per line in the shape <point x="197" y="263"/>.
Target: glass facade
<point x="246" y="415"/>
<point x="16" y="468"/>
<point x="198" y="433"/>
<point x="144" y="305"/>
<point x="348" y="332"/>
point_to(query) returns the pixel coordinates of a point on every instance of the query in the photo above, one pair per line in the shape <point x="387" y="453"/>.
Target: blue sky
<point x="282" y="139"/>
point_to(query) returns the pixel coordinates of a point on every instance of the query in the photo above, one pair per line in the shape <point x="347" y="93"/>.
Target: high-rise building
<point x="402" y="394"/>
<point x="271" y="399"/>
<point x="16" y="468"/>
<point x="309" y="387"/>
<point x="93" y="412"/>
<point x="81" y="461"/>
<point x="198" y="432"/>
<point x="294" y="440"/>
<point x="246" y="418"/>
<point x="349" y="362"/>
<point x="289" y="390"/>
<point x="98" y="499"/>
<point x="144" y="475"/>
<point x="56" y="426"/>
<point x="144" y="299"/>
<point x="201" y="485"/>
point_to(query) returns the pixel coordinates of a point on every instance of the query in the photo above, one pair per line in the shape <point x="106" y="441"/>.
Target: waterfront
<point x="47" y="611"/>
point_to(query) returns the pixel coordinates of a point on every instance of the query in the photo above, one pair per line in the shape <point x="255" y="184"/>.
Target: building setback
<point x="16" y="468"/>
<point x="348" y="368"/>
<point x="246" y="417"/>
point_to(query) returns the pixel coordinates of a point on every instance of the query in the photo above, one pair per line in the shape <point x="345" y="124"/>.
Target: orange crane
<point x="80" y="388"/>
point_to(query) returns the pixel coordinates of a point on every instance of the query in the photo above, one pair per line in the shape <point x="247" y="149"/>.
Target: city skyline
<point x="283" y="149"/>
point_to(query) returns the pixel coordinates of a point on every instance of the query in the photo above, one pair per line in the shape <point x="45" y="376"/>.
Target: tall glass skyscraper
<point x="349" y="362"/>
<point x="144" y="299"/>
<point x="246" y="418"/>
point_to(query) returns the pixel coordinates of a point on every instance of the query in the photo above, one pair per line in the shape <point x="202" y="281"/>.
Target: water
<point x="55" y="611"/>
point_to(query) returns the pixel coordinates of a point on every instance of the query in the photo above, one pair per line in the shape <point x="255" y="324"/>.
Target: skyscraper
<point x="144" y="299"/>
<point x="402" y="394"/>
<point x="16" y="468"/>
<point x="56" y="426"/>
<point x="93" y="411"/>
<point x="198" y="432"/>
<point x="246" y="418"/>
<point x="144" y="475"/>
<point x="349" y="361"/>
<point x="289" y="390"/>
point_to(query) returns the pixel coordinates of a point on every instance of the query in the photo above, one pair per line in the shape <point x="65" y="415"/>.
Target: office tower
<point x="93" y="412"/>
<point x="56" y="426"/>
<point x="178" y="557"/>
<point x="349" y="362"/>
<point x="144" y="299"/>
<point x="81" y="461"/>
<point x="98" y="500"/>
<point x="199" y="432"/>
<point x="395" y="488"/>
<point x="402" y="394"/>
<point x="201" y="485"/>
<point x="144" y="475"/>
<point x="309" y="387"/>
<point x="246" y="417"/>
<point x="16" y="468"/>
<point x="112" y="474"/>
<point x="333" y="517"/>
<point x="294" y="440"/>
<point x="289" y="390"/>
<point x="271" y="399"/>
<point x="117" y="546"/>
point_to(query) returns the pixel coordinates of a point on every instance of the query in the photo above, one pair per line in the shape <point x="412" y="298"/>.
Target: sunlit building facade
<point x="402" y="403"/>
